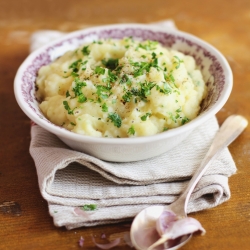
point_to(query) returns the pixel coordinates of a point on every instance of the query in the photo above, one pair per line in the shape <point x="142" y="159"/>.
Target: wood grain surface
<point x="24" y="219"/>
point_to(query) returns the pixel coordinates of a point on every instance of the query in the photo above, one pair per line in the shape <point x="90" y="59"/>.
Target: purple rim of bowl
<point x="24" y="84"/>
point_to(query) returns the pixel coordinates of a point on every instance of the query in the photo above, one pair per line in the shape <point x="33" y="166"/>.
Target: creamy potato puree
<point x="121" y="88"/>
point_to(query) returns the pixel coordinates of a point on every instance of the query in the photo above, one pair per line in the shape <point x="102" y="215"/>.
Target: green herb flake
<point x="127" y="96"/>
<point x="172" y="117"/>
<point x="141" y="68"/>
<point x="116" y="119"/>
<point x="89" y="207"/>
<point x="99" y="70"/>
<point x="144" y="117"/>
<point x="170" y="78"/>
<point x="98" y="42"/>
<point x="67" y="107"/>
<point x="85" y="62"/>
<point x="184" y="120"/>
<point x="67" y="93"/>
<point x="75" y="64"/>
<point x="110" y="79"/>
<point x="110" y="63"/>
<point x="143" y="91"/>
<point x="74" y="74"/>
<point x="177" y="62"/>
<point x="166" y="88"/>
<point x="78" y="89"/>
<point x="104" y="107"/>
<point x="102" y="91"/>
<point x="125" y="80"/>
<point x="82" y="98"/>
<point x="178" y="110"/>
<point x="131" y="130"/>
<point x="73" y="124"/>
<point x="85" y="50"/>
<point x="148" y="45"/>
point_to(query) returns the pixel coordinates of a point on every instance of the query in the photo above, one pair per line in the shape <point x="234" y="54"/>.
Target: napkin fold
<point x="69" y="179"/>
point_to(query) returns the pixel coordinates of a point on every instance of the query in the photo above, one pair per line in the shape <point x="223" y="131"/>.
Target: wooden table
<point x="24" y="219"/>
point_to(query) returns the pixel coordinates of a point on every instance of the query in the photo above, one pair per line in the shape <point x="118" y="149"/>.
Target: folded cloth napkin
<point x="69" y="179"/>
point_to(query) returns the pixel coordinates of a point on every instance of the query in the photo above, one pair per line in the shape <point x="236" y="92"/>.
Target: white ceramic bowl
<point x="215" y="69"/>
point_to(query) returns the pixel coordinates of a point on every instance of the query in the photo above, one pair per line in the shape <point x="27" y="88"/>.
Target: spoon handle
<point x="228" y="132"/>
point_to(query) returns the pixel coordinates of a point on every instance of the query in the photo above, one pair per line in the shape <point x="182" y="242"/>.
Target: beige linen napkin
<point x="69" y="179"/>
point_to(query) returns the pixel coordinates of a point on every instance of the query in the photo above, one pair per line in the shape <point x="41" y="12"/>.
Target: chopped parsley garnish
<point x="89" y="207"/>
<point x="67" y="107"/>
<point x="177" y="62"/>
<point x="166" y="88"/>
<point x="78" y="90"/>
<point x="104" y="107"/>
<point x="99" y="70"/>
<point x="144" y="67"/>
<point x="116" y="119"/>
<point x="84" y="63"/>
<point x="118" y="69"/>
<point x="110" y="63"/>
<point x="153" y="55"/>
<point x="184" y="120"/>
<point x="73" y="124"/>
<point x="103" y="91"/>
<point x="125" y="80"/>
<point x="144" y="117"/>
<point x="127" y="96"/>
<point x="85" y="50"/>
<point x="75" y="64"/>
<point x="82" y="98"/>
<point x="178" y="110"/>
<point x="140" y="68"/>
<point x="172" y="117"/>
<point x="98" y="42"/>
<point x="110" y="79"/>
<point x="177" y="116"/>
<point x="74" y="74"/>
<point x="131" y="130"/>
<point x="146" y="88"/>
<point x="148" y="45"/>
<point x="142" y="92"/>
<point x="67" y="93"/>
<point x="169" y="77"/>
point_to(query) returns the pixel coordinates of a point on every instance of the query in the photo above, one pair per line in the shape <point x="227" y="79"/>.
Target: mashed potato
<point x="121" y="88"/>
